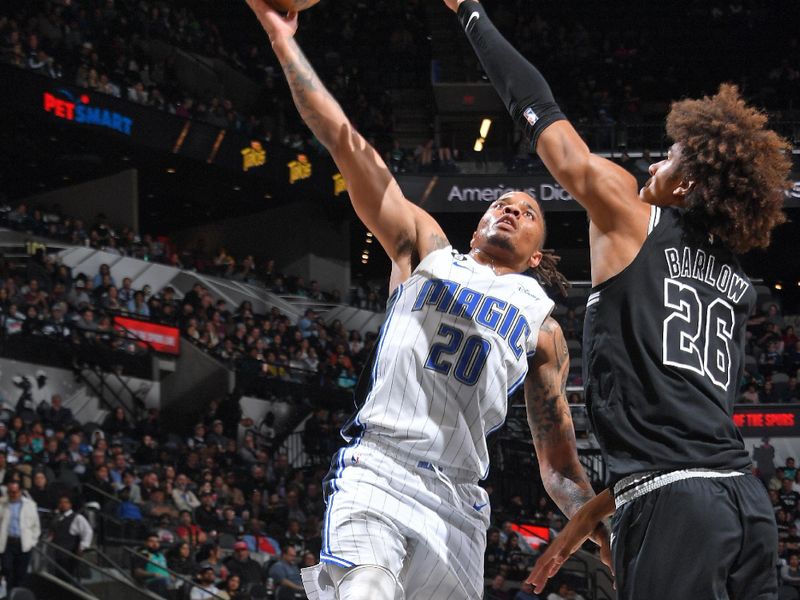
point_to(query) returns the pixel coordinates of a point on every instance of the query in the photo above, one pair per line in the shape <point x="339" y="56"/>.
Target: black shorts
<point x="697" y="539"/>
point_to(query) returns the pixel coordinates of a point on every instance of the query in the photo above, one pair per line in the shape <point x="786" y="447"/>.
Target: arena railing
<point x="45" y="551"/>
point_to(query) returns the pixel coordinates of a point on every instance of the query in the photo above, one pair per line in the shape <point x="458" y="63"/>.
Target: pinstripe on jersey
<point x="454" y="346"/>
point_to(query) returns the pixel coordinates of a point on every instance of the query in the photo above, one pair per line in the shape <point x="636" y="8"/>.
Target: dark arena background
<point x="187" y="297"/>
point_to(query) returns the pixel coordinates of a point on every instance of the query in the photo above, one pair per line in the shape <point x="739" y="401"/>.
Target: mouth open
<point x="506" y="223"/>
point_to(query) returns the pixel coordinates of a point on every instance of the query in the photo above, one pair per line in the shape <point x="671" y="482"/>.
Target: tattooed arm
<point x="550" y="421"/>
<point x="403" y="229"/>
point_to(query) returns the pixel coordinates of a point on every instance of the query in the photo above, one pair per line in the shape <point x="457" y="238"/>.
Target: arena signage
<point x="768" y="420"/>
<point x="64" y="105"/>
<point x="473" y="193"/>
<point x="161" y="338"/>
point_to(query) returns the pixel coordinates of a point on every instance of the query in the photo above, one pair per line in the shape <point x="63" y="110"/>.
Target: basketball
<point x="291" y="5"/>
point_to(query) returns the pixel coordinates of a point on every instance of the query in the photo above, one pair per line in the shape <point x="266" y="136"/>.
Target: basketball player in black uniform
<point x="664" y="334"/>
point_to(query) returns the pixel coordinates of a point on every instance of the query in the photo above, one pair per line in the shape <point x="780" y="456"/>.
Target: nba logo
<point x="530" y="116"/>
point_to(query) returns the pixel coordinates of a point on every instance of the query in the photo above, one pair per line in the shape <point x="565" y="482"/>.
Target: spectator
<point x="19" y="533"/>
<point x="205" y="588"/>
<point x="71" y="532"/>
<point x="285" y="573"/>
<point x="563" y="593"/>
<point x="189" y="531"/>
<point x="206" y="515"/>
<point x="137" y="306"/>
<point x="184" y="498"/>
<point x="244" y="567"/>
<point x="181" y="561"/>
<point x="497" y="590"/>
<point x="526" y="593"/>
<point x="116" y="425"/>
<point x="790" y="500"/>
<point x="209" y="554"/>
<point x="790" y="573"/>
<point x="232" y="589"/>
<point x="149" y="567"/>
<point x="127" y="510"/>
<point x="56" y="415"/>
<point x="42" y="492"/>
<point x="495" y="554"/>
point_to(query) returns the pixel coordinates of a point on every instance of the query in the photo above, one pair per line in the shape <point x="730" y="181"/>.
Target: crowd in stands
<point x="48" y="299"/>
<point x="773" y="358"/>
<point x="201" y="505"/>
<point x="783" y="483"/>
<point x="624" y="63"/>
<point x="104" y="46"/>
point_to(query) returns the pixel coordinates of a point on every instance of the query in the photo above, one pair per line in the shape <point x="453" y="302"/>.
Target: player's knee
<point x="368" y="582"/>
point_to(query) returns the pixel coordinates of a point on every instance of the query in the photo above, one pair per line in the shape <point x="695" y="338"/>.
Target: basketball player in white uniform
<point x="405" y="517"/>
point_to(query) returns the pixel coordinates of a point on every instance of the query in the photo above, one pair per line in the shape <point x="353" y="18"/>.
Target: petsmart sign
<point x="81" y="109"/>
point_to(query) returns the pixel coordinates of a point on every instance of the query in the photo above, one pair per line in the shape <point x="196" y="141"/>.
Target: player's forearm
<point x="317" y="107"/>
<point x="521" y="86"/>
<point x="569" y="487"/>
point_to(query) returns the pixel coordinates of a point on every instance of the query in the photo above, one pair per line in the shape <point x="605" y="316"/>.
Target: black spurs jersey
<point x="663" y="351"/>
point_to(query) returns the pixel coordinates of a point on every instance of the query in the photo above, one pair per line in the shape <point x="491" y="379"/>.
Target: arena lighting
<point x="486" y="124"/>
<point x="778" y="286"/>
<point x="369" y="234"/>
<point x="171" y="170"/>
<point x="478" y="145"/>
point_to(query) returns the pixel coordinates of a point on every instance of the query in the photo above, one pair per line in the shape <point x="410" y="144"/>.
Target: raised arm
<point x="550" y="421"/>
<point x="607" y="191"/>
<point x="402" y="228"/>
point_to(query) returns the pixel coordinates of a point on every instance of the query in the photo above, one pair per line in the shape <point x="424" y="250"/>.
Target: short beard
<point x="500" y="241"/>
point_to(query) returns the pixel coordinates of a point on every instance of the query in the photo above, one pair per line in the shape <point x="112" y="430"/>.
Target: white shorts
<point x="427" y="527"/>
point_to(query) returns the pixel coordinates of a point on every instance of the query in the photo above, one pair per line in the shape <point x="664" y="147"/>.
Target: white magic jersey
<point x="454" y="345"/>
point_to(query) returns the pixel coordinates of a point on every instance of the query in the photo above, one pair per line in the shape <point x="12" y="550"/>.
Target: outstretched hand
<point x="568" y="541"/>
<point x="274" y="23"/>
<point x="586" y="523"/>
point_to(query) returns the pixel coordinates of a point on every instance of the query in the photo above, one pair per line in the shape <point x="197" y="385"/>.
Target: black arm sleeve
<point x="521" y="86"/>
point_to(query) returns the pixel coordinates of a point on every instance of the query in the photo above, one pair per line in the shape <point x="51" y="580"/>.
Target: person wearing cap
<point x="205" y="588"/>
<point x="241" y="564"/>
<point x="78" y="296"/>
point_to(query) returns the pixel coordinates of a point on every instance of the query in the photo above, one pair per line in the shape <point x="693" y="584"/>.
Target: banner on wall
<point x="161" y="338"/>
<point x="767" y="420"/>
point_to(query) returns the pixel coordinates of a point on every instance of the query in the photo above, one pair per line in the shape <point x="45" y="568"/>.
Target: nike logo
<point x="475" y="16"/>
<point x="479" y="507"/>
<point x="460" y="266"/>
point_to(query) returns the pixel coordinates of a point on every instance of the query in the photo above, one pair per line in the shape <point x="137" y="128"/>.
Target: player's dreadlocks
<point x="739" y="167"/>
<point x="547" y="272"/>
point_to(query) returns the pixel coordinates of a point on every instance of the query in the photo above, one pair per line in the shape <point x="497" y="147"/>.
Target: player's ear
<point x="535" y="259"/>
<point x="683" y="189"/>
<point x="472" y="241"/>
